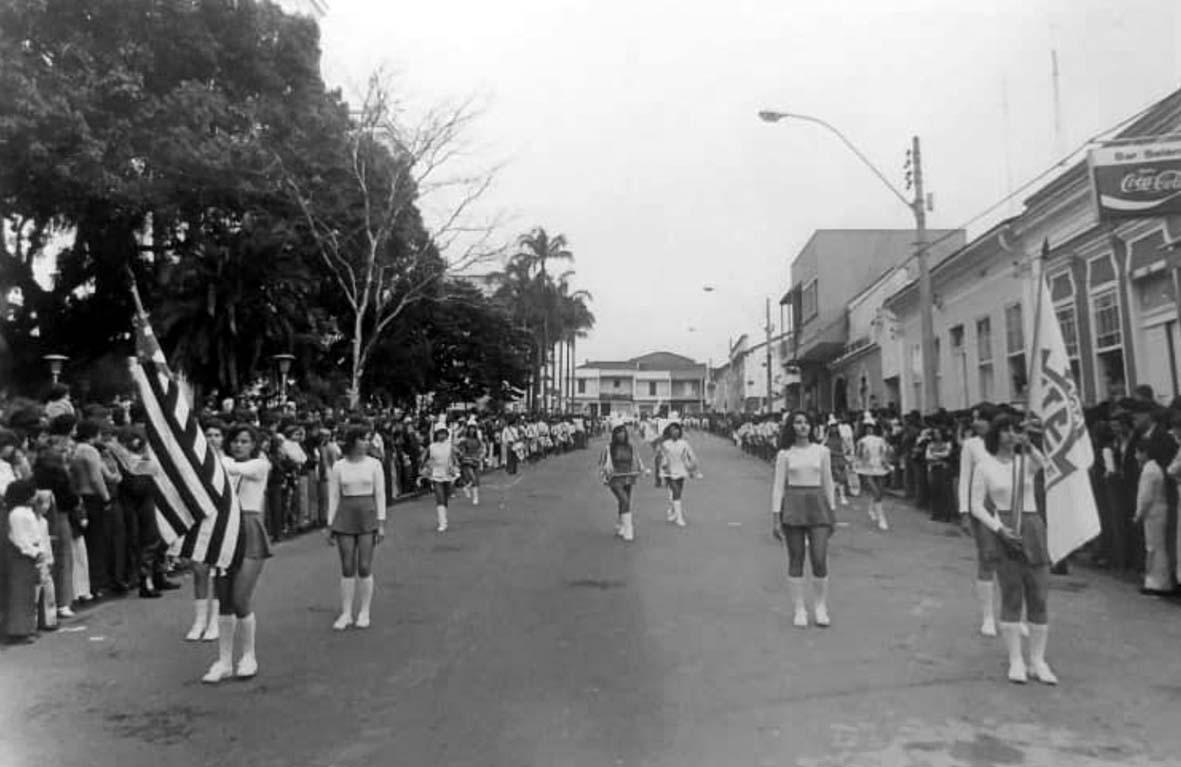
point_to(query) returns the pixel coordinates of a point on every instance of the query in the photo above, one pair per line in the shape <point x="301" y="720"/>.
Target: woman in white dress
<point x="873" y="466"/>
<point x="803" y="497"/>
<point x="1152" y="510"/>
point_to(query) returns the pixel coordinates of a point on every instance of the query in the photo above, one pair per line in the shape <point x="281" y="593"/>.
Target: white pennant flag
<point x="1071" y="516"/>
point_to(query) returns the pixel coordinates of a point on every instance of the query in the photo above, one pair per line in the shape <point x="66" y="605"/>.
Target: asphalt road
<point x="527" y="635"/>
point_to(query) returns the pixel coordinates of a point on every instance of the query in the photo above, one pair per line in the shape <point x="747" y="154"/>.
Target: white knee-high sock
<point x="985" y="594"/>
<point x="799" y="607"/>
<point x="365" y="592"/>
<point x="226" y="626"/>
<point x="200" y="619"/>
<point x="441" y="513"/>
<point x="348" y="587"/>
<point x="246" y="627"/>
<point x="212" y="626"/>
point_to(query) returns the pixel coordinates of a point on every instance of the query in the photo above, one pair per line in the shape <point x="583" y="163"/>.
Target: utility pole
<point x="927" y="328"/>
<point x="768" y="331"/>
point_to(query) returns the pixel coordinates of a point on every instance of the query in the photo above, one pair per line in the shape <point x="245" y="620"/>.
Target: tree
<point x="139" y="134"/>
<point x="364" y="219"/>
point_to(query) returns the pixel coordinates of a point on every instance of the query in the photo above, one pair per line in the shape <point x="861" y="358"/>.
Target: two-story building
<point x="649" y="384"/>
<point x="834" y="267"/>
<point x="1112" y="284"/>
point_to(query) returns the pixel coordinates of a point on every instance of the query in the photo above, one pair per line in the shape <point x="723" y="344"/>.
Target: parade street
<point x="527" y="635"/>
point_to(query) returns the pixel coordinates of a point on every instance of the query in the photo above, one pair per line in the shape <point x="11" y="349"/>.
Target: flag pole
<point x="139" y="304"/>
<point x="1034" y="366"/>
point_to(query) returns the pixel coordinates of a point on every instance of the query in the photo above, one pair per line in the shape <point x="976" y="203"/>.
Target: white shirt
<point x="993" y="481"/>
<point x="809" y="466"/>
<point x="25" y="532"/>
<point x="363" y="478"/>
<point x="250" y="480"/>
<point x="677" y="460"/>
<point x="970" y="453"/>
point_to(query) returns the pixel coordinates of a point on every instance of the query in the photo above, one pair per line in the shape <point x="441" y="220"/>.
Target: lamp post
<point x="56" y="362"/>
<point x="283" y="363"/>
<point x="918" y="208"/>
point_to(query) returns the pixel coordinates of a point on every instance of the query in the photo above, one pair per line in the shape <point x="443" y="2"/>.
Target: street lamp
<point x="283" y="362"/>
<point x="56" y="362"/>
<point x="918" y="208"/>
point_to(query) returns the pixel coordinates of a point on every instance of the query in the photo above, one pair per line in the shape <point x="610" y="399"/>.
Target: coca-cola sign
<point x="1137" y="180"/>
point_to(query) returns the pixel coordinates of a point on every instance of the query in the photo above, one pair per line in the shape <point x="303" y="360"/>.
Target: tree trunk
<point x="358" y="367"/>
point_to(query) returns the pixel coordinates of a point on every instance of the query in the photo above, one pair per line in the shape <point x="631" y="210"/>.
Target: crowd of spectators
<point x="1134" y="476"/>
<point x="79" y="517"/>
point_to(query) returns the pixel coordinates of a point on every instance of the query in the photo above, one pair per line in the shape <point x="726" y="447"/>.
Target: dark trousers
<point x="106" y="544"/>
<point x="145" y="547"/>
<point x="939" y="492"/>
<point x="511" y="467"/>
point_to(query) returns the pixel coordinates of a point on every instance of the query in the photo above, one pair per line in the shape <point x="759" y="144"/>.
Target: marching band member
<point x="205" y="604"/>
<point x="676" y="462"/>
<point x="803" y="507"/>
<point x="356" y="522"/>
<point x="987" y="555"/>
<point x="619" y="466"/>
<point x="873" y="466"/>
<point x="1003" y="500"/>
<point x="470" y="450"/>
<point x="440" y="469"/>
<point x="248" y="469"/>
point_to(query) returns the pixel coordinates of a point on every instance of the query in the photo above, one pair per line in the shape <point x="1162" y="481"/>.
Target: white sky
<point x="630" y="126"/>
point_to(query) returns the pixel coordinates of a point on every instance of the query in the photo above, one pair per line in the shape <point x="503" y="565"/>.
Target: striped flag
<point x="195" y="499"/>
<point x="1071" y="516"/>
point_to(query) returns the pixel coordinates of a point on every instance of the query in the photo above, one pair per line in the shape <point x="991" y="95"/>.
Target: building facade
<point x="649" y="384"/>
<point x="834" y="267"/>
<point x="1113" y="286"/>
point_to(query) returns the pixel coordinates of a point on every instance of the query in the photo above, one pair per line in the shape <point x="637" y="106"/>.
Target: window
<point x="614" y="383"/>
<point x="1109" y="337"/>
<point x="984" y="339"/>
<point x="1015" y="348"/>
<point x="1014" y="330"/>
<point x="651" y="388"/>
<point x="808" y="302"/>
<point x="582" y="386"/>
<point x="1105" y="309"/>
<point x="1069" y="324"/>
<point x="956" y="336"/>
<point x="986" y="381"/>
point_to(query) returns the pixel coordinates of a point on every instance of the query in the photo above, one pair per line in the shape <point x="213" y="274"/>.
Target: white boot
<point x="985" y="595"/>
<point x="441" y="513"/>
<point x="820" y="589"/>
<point x="670" y="513"/>
<point x="882" y="524"/>
<point x="627" y="532"/>
<point x="841" y="495"/>
<point x="200" y="620"/>
<point x="345" y="619"/>
<point x="223" y="668"/>
<point x="1038" y="635"/>
<point x="365" y="592"/>
<point x="248" y="663"/>
<point x="800" y="617"/>
<point x="679" y="513"/>
<point x="467" y="492"/>
<point x="1012" y="635"/>
<point x="873" y="512"/>
<point x="475" y="496"/>
<point x="211" y="628"/>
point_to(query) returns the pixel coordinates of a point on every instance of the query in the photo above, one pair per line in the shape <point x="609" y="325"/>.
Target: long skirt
<point x="81" y="580"/>
<point x="24" y="583"/>
<point x="1157" y="574"/>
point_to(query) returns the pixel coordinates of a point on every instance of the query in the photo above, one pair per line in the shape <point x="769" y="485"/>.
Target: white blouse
<point x="809" y="466"/>
<point x="365" y="478"/>
<point x="970" y="453"/>
<point x="250" y="481"/>
<point x="25" y="532"/>
<point x="993" y="482"/>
